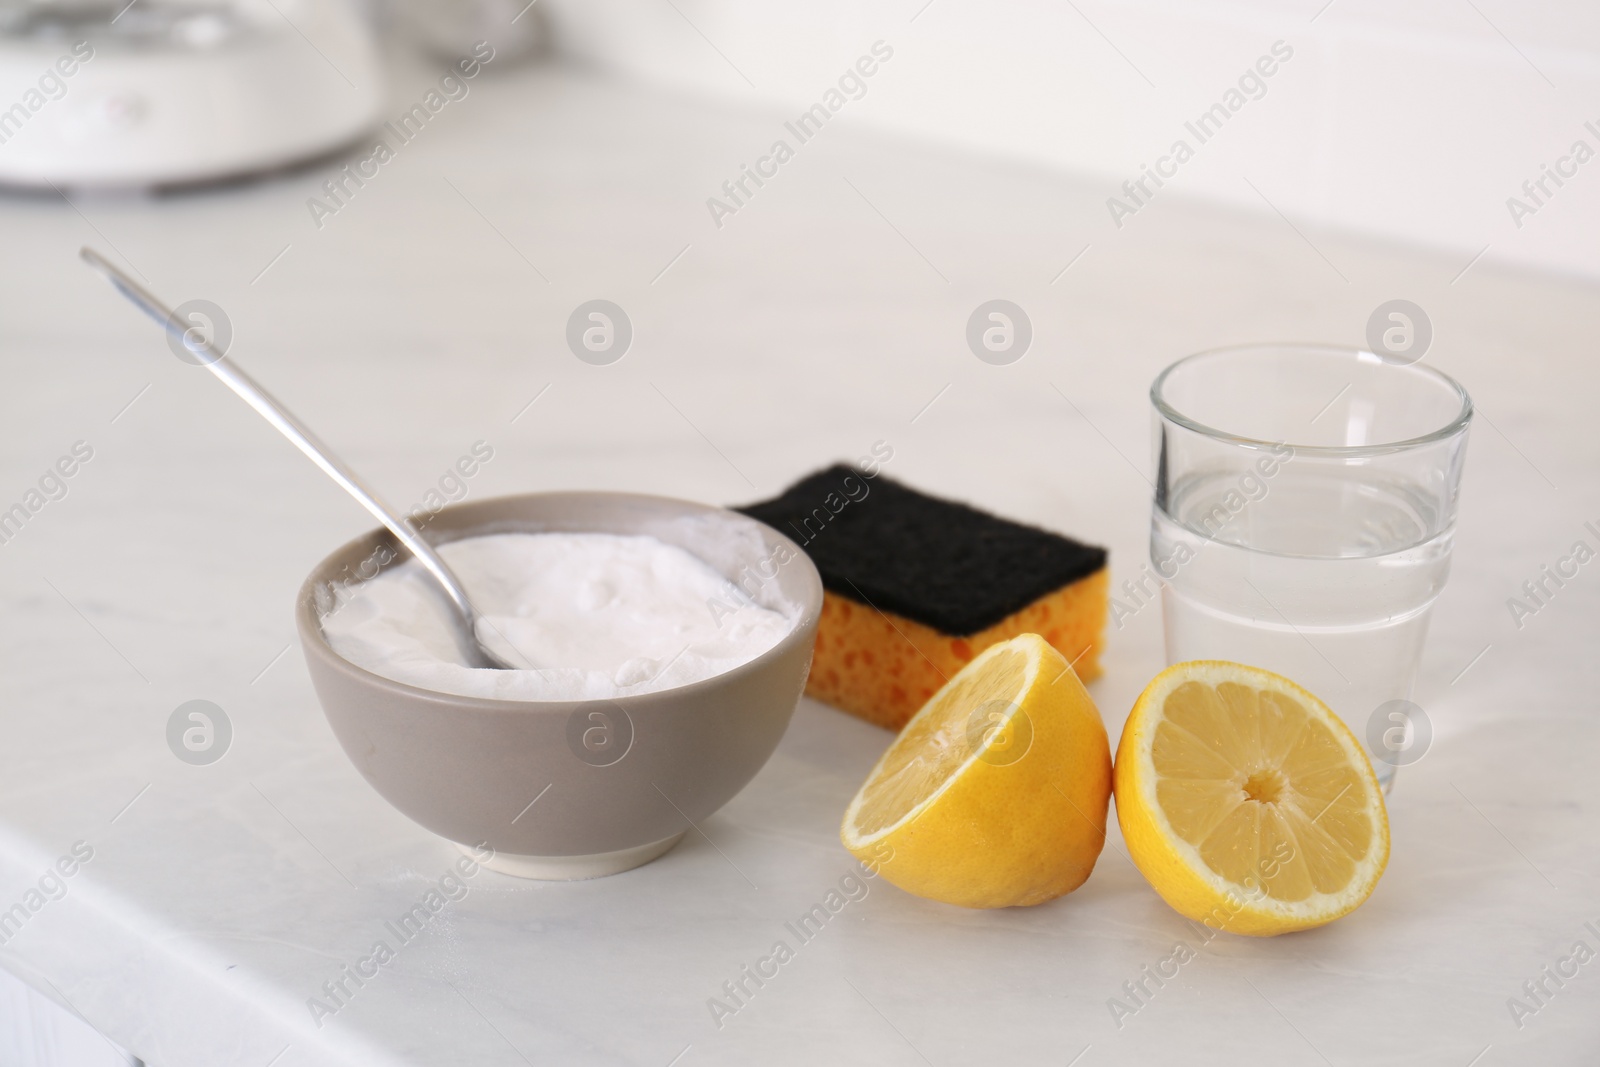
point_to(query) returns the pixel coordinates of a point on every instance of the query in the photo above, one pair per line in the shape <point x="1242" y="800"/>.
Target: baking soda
<point x="595" y="615"/>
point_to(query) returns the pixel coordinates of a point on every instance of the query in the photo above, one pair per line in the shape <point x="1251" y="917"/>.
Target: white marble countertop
<point x="827" y="314"/>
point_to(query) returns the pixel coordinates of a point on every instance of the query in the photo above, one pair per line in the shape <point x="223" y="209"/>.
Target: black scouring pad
<point x="938" y="562"/>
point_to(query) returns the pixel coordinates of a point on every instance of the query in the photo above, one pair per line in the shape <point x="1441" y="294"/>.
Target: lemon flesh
<point x="933" y="748"/>
<point x="1246" y="802"/>
<point x="995" y="793"/>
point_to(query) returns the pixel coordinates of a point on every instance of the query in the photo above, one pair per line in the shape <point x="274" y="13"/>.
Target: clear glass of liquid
<point x="1305" y="508"/>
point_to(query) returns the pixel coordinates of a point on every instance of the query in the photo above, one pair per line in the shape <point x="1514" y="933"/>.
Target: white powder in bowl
<point x="599" y="615"/>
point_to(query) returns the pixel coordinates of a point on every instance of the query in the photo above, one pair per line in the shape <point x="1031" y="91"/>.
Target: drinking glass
<point x="1305" y="508"/>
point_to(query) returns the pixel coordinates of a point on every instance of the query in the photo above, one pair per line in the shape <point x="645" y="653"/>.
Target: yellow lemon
<point x="995" y="793"/>
<point x="1246" y="802"/>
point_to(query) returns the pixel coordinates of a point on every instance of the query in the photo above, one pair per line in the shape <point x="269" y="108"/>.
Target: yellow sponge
<point x="917" y="586"/>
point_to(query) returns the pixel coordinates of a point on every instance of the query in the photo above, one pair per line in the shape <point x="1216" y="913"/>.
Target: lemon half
<point x="1246" y="802"/>
<point x="995" y="793"/>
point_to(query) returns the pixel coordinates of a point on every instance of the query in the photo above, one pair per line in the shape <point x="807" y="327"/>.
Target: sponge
<point x="916" y="586"/>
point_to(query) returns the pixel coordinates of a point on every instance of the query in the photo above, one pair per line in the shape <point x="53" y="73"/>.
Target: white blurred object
<point x="448" y="29"/>
<point x="107" y="93"/>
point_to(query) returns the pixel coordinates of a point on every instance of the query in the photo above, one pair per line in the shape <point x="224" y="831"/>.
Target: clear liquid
<point x="1327" y="579"/>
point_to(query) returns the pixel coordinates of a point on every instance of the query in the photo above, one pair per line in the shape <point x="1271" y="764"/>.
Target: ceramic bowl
<point x="583" y="788"/>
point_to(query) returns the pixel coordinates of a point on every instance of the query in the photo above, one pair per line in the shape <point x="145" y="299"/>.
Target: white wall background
<point x="1412" y="122"/>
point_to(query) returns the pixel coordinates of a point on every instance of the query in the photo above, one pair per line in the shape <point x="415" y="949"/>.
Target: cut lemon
<point x="995" y="793"/>
<point x="1246" y="802"/>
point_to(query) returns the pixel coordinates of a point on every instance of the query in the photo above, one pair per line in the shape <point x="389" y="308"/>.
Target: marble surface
<point x="825" y="315"/>
<point x="36" y="1032"/>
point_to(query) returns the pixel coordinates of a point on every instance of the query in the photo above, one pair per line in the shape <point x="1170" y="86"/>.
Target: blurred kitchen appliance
<point x="150" y="93"/>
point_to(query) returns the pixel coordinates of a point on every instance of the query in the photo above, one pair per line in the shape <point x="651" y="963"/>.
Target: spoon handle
<point x="306" y="441"/>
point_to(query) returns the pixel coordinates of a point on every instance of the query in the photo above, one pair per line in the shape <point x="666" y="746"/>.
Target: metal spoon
<point x="464" y="618"/>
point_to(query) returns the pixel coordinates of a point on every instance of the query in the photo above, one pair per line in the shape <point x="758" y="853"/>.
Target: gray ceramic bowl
<point x="572" y="789"/>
